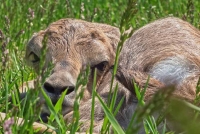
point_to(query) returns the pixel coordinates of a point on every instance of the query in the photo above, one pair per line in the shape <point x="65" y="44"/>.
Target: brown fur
<point x="74" y="44"/>
<point x="170" y="41"/>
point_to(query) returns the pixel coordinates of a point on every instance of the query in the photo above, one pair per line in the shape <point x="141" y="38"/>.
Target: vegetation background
<point x="19" y="19"/>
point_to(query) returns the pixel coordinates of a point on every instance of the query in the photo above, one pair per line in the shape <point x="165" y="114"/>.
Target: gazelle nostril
<point x="68" y="88"/>
<point x="49" y="88"/>
<point x="57" y="89"/>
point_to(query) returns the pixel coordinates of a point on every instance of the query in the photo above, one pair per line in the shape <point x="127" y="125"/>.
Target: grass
<point x="19" y="19"/>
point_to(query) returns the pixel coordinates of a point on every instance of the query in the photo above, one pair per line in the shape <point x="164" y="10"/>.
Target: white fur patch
<point x="172" y="70"/>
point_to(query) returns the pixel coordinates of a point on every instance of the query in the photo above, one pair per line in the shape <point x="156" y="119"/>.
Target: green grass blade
<point x="110" y="117"/>
<point x="192" y="106"/>
<point x="144" y="90"/>
<point x="114" y="97"/>
<point x="58" y="106"/>
<point x="93" y="101"/>
<point x="51" y="107"/>
<point x="116" y="111"/>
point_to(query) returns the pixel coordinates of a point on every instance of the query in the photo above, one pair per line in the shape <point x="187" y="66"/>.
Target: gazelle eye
<point x="33" y="57"/>
<point x="101" y="66"/>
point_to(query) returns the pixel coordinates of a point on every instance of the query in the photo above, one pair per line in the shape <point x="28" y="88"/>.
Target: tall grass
<point x="19" y="19"/>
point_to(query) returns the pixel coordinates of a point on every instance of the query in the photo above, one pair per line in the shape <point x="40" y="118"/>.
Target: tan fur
<point x="74" y="44"/>
<point x="169" y="40"/>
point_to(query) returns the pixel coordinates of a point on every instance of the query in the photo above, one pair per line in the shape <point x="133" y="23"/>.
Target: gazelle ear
<point x="111" y="32"/>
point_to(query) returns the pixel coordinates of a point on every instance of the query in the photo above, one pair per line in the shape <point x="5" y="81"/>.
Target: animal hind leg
<point x="127" y="77"/>
<point x="187" y="88"/>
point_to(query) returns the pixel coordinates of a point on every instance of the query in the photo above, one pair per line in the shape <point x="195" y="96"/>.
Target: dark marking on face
<point x="63" y="63"/>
